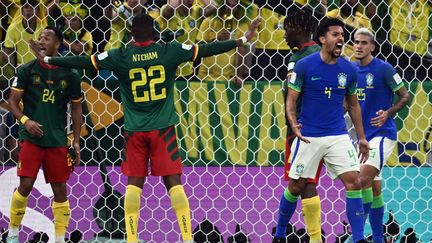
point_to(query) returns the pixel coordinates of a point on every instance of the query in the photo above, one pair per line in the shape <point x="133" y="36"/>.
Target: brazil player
<point x="323" y="80"/>
<point x="299" y="27"/>
<point x="146" y="72"/>
<point x="377" y="81"/>
<point x="45" y="90"/>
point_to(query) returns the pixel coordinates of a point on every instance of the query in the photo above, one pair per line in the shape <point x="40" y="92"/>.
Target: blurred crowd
<point x="91" y="26"/>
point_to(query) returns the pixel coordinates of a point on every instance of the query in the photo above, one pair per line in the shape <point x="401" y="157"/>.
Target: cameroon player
<point x="45" y="91"/>
<point x="146" y="72"/>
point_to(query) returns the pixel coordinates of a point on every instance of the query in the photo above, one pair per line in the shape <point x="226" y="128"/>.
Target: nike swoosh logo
<point x="315" y="78"/>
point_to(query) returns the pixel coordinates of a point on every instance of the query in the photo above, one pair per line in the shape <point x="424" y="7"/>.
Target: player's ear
<point x="321" y="39"/>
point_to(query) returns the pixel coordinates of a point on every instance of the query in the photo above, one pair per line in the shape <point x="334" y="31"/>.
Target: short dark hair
<point x="324" y="25"/>
<point x="143" y="27"/>
<point x="300" y="20"/>
<point x="33" y="3"/>
<point x="57" y="33"/>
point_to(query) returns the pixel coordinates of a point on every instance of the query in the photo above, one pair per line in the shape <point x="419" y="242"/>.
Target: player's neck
<point x="366" y="60"/>
<point x="327" y="57"/>
<point x="305" y="43"/>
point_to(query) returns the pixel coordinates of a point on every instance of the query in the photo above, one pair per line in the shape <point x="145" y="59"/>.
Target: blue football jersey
<point x="323" y="88"/>
<point x="377" y="82"/>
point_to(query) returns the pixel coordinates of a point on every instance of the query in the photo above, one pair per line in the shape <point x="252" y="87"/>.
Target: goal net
<point x="231" y="137"/>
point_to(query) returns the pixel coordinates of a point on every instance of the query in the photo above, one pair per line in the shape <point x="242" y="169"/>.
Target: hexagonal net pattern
<point x="232" y="128"/>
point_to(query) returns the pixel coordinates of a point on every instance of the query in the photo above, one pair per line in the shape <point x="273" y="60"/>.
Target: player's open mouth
<point x="339" y="45"/>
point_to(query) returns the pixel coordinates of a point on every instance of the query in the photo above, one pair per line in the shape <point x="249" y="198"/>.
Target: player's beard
<point x="335" y="53"/>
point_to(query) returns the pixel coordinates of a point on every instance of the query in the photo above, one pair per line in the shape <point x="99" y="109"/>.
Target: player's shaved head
<point x="324" y="26"/>
<point x="142" y="27"/>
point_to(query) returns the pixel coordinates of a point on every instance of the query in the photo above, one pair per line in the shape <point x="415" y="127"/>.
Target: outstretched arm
<point x="79" y="62"/>
<point x="218" y="47"/>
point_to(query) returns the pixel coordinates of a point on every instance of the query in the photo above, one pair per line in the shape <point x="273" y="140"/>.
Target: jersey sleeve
<point x="19" y="81"/>
<point x="296" y="77"/>
<point x="106" y="60"/>
<point x="76" y="94"/>
<point x="392" y="78"/>
<point x="11" y="37"/>
<point x="184" y="52"/>
<point x="352" y="83"/>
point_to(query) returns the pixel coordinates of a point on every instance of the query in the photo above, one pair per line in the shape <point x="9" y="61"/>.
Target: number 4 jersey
<point x="47" y="90"/>
<point x="146" y="74"/>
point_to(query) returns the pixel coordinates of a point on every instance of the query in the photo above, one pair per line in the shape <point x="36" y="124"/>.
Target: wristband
<point x="243" y="39"/>
<point x="24" y="119"/>
<point x="46" y="59"/>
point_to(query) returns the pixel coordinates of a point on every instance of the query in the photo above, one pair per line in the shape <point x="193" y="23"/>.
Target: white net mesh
<point x="232" y="140"/>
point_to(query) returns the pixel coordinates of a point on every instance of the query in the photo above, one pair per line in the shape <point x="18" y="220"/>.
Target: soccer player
<point x="299" y="27"/>
<point x="45" y="90"/>
<point x="323" y="80"/>
<point x="146" y="73"/>
<point x="377" y="81"/>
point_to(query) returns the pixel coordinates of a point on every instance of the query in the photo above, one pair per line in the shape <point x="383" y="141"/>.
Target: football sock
<point x="311" y="208"/>
<point x="367" y="196"/>
<point x="61" y="212"/>
<point x="17" y="211"/>
<point x="376" y="218"/>
<point x="180" y="204"/>
<point x="355" y="213"/>
<point x="287" y="206"/>
<point x="131" y="205"/>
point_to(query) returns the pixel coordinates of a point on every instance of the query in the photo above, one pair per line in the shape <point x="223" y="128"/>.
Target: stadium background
<point x="232" y="143"/>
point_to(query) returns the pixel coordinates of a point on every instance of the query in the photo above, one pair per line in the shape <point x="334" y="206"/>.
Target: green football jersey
<point x="47" y="91"/>
<point x="308" y="48"/>
<point x="146" y="75"/>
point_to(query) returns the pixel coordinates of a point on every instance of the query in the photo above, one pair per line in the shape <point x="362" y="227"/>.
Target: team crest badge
<point x="36" y="79"/>
<point x="192" y="23"/>
<point x="342" y="79"/>
<point x="63" y="84"/>
<point x="299" y="169"/>
<point x="369" y="80"/>
<point x="19" y="164"/>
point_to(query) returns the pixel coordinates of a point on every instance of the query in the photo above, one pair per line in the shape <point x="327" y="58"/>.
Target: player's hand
<point x="363" y="150"/>
<point x="296" y="131"/>
<point x="252" y="29"/>
<point x="34" y="45"/>
<point x="380" y="120"/>
<point x="223" y="35"/>
<point x="34" y="128"/>
<point x="174" y="3"/>
<point x="76" y="146"/>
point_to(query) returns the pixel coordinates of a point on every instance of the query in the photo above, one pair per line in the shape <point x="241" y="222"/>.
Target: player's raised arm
<point x="218" y="47"/>
<point x="69" y="61"/>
